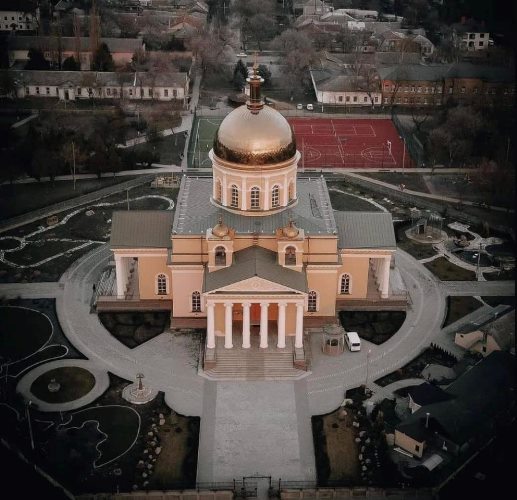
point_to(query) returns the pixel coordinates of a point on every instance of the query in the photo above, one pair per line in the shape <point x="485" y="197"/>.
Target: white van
<point x="353" y="341"/>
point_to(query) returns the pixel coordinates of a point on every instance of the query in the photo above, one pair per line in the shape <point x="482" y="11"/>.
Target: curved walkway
<point x="102" y="383"/>
<point x="164" y="360"/>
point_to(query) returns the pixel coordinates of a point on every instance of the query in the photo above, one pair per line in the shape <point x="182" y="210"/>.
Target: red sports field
<point x="326" y="142"/>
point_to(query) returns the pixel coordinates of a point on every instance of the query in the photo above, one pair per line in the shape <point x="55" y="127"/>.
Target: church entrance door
<point x="255" y="314"/>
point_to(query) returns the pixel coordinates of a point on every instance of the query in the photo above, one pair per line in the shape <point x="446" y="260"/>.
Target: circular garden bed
<point x="74" y="383"/>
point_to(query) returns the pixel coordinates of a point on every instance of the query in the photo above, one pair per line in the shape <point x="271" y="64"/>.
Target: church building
<point x="254" y="254"/>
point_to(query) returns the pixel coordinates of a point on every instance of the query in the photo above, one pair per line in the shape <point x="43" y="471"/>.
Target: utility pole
<point x="479" y="259"/>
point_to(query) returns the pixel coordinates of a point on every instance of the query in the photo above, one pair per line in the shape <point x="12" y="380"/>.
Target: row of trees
<point x="46" y="150"/>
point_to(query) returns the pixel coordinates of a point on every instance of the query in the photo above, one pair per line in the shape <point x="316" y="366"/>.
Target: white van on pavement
<point x="353" y="341"/>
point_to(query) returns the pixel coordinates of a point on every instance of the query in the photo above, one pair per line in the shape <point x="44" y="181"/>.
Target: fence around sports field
<point x="413" y="145"/>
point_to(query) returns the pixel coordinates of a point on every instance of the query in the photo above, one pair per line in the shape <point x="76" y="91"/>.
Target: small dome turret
<point x="290" y="231"/>
<point x="220" y="230"/>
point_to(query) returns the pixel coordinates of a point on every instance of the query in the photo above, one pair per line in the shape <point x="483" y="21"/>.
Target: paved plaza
<point x="251" y="428"/>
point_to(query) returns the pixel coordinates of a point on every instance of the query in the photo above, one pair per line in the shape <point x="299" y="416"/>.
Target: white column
<point x="298" y="341"/>
<point x="263" y="324"/>
<point x="246" y="325"/>
<point x="224" y="191"/>
<point x="119" y="273"/>
<point x="281" y="325"/>
<point x="267" y="195"/>
<point x="286" y="191"/>
<point x="385" y="280"/>
<point x="228" y="325"/>
<point x="210" y="321"/>
<point x="244" y="188"/>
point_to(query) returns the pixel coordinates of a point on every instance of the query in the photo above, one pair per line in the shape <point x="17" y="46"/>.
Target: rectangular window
<point x="475" y="90"/>
<point x="481" y="44"/>
<point x="130" y="91"/>
<point x="174" y="93"/>
<point x="462" y="90"/>
<point x="347" y="98"/>
<point x="355" y="98"/>
<point x="482" y="35"/>
<point x="472" y="35"/>
<point x="385" y="100"/>
<point x="340" y="98"/>
<point x="405" y="100"/>
<point x="419" y="89"/>
<point x="27" y="91"/>
<point x="166" y="92"/>
<point x="417" y="447"/>
<point x="108" y="91"/>
<point x="412" y="88"/>
<point x="48" y="90"/>
<point x="365" y="99"/>
<point x="37" y="90"/>
<point x="150" y="92"/>
<point x="376" y="98"/>
<point x="450" y="90"/>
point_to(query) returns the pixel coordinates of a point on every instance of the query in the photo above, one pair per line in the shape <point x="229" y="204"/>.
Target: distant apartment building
<point x="418" y="85"/>
<point x="19" y="15"/>
<point x="471" y="36"/>
<point x="72" y="85"/>
<point x="55" y="49"/>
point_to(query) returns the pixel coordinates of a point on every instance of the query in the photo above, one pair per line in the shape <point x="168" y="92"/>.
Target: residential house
<point x="336" y="84"/>
<point x="398" y="41"/>
<point x="72" y="85"/>
<point x="476" y="403"/>
<point x="54" y="49"/>
<point x="425" y="394"/>
<point x="19" y="15"/>
<point x="361" y="14"/>
<point x="470" y="36"/>
<point x="496" y="335"/>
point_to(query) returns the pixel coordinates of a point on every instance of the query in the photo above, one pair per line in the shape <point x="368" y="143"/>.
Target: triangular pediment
<point x="256" y="284"/>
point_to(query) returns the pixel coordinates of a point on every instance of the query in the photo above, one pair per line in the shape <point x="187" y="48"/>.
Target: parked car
<point x="353" y="341"/>
<point x="299" y="106"/>
<point x="242" y="54"/>
<point x="310" y="107"/>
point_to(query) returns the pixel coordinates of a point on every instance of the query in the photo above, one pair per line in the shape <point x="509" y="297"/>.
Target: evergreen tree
<point x="240" y="73"/>
<point x="102" y="59"/>
<point x="36" y="60"/>
<point x="70" y="64"/>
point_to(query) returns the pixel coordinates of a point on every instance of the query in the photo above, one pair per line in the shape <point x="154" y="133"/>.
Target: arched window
<point x="344" y="285"/>
<point x="290" y="256"/>
<point x="312" y="302"/>
<point x="235" y="197"/>
<point x="196" y="302"/>
<point x="161" y="284"/>
<point x="220" y="256"/>
<point x="255" y="197"/>
<point x="218" y="190"/>
<point x="291" y="191"/>
<point x="275" y="196"/>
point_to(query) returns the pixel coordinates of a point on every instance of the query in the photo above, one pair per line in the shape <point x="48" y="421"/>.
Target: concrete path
<point x="256" y="428"/>
<point x="49" y="290"/>
<point x="332" y="376"/>
<point x="478" y="288"/>
<point x="380" y="393"/>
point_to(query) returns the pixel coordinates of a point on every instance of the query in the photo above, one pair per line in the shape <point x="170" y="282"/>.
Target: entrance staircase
<point x="253" y="363"/>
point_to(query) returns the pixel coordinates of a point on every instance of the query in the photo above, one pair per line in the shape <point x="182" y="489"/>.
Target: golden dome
<point x="220" y="230"/>
<point x="290" y="231"/>
<point x="255" y="137"/>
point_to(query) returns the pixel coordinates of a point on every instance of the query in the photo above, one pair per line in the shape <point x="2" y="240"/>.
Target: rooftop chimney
<point x="427" y="420"/>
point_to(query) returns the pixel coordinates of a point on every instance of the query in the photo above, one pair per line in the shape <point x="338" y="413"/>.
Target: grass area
<point x="121" y="424"/>
<point x="16" y="199"/>
<point x="496" y="301"/>
<point x="500" y="275"/>
<point x="48" y="352"/>
<point x="413" y="369"/>
<point x="412" y="181"/>
<point x="168" y="148"/>
<point x="9" y="244"/>
<point x="75" y="382"/>
<point x="36" y="251"/>
<point x="374" y="326"/>
<point x="447" y="271"/>
<point x="134" y="328"/>
<point x="22" y="332"/>
<point x="457" y="307"/>
<point x="350" y="203"/>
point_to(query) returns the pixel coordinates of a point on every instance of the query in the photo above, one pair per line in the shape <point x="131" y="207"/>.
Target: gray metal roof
<point x="365" y="230"/>
<point x="141" y="229"/>
<point x="195" y="214"/>
<point x="251" y="262"/>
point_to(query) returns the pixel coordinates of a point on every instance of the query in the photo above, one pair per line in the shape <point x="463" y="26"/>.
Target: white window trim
<point x="156" y="285"/>
<point x="192" y="302"/>
<point x="349" y="284"/>
<point x="317" y="301"/>
<point x="277" y="204"/>
<point x="251" y="197"/>
<point x="232" y="205"/>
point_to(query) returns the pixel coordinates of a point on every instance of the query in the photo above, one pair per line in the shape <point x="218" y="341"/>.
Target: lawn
<point x="16" y="199"/>
<point x="495" y="301"/>
<point x="350" y="203"/>
<point x="36" y="251"/>
<point x="413" y="369"/>
<point x="120" y="424"/>
<point x="500" y="275"/>
<point x="374" y="326"/>
<point x="133" y="329"/>
<point x="446" y="271"/>
<point x="168" y="148"/>
<point x="22" y="332"/>
<point x="412" y="181"/>
<point x="75" y="382"/>
<point x="457" y="307"/>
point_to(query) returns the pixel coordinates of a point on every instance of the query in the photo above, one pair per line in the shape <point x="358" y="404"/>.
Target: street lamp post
<point x="367" y="367"/>
<point x="29" y="403"/>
